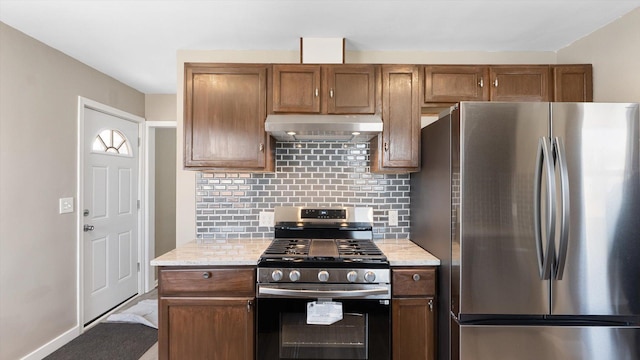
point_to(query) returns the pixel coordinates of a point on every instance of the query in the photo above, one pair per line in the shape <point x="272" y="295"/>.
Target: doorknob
<point x="88" y="228"/>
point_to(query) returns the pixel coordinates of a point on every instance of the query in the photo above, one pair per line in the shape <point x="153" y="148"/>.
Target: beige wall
<point x="165" y="190"/>
<point x="160" y="107"/>
<point x="614" y="51"/>
<point x="39" y="89"/>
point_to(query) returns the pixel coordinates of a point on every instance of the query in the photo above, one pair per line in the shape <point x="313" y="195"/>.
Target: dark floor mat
<point x="122" y="341"/>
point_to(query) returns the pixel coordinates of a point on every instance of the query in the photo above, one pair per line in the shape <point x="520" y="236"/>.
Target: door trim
<point x="149" y="248"/>
<point x="85" y="103"/>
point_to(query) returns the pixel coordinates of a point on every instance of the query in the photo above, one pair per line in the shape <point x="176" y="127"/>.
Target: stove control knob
<point x="323" y="276"/>
<point x="294" y="275"/>
<point x="276" y="275"/>
<point x="369" y="276"/>
<point x="352" y="276"/>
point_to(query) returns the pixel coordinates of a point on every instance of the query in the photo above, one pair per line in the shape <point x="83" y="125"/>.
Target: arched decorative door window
<point x="112" y="142"/>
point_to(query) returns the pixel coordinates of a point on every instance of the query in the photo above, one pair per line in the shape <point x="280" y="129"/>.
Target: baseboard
<point x="54" y="344"/>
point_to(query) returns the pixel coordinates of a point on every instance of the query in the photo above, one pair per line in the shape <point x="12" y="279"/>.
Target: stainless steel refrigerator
<point x="534" y="211"/>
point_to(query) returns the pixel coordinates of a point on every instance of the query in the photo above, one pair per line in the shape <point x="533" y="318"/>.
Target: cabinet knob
<point x="430" y="304"/>
<point x="386" y="147"/>
<point x="206" y="275"/>
<point x="416" y="277"/>
<point x="331" y="93"/>
<point x="495" y="82"/>
<point x="481" y="83"/>
<point x="317" y="92"/>
<point x="261" y="147"/>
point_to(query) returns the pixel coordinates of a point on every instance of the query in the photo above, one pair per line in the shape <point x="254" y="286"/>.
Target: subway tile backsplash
<point x="228" y="205"/>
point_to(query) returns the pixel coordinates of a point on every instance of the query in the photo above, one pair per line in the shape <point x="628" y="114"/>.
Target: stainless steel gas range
<point x="323" y="287"/>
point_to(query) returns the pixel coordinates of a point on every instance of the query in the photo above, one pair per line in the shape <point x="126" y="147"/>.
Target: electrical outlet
<point x="266" y="219"/>
<point x="393" y="217"/>
<point x="66" y="205"/>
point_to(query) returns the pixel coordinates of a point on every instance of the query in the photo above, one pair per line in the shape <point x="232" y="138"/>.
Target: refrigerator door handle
<point x="543" y="159"/>
<point x="564" y="217"/>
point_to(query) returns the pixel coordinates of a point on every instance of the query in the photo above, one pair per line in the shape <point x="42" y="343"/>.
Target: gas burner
<point x="290" y="248"/>
<point x="358" y="248"/>
<point x="328" y="250"/>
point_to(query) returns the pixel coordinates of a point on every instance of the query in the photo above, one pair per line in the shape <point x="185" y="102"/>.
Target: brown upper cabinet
<point x="572" y="83"/>
<point x="224" y="113"/>
<point x="397" y="149"/>
<point x="327" y="89"/>
<point x="519" y="83"/>
<point x="453" y="83"/>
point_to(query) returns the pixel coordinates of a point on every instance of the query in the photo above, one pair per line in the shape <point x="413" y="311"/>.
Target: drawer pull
<point x="416" y="277"/>
<point x="206" y="275"/>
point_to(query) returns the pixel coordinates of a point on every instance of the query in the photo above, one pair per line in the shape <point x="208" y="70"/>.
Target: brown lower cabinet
<point x="206" y="313"/>
<point x="413" y="313"/>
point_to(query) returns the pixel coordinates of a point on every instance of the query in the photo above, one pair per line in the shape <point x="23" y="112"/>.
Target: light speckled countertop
<point x="214" y="252"/>
<point x="401" y="252"/>
<point x="404" y="252"/>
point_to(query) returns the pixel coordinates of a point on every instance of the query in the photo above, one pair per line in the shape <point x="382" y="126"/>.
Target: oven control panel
<point x="335" y="214"/>
<point x="322" y="275"/>
<point x="347" y="214"/>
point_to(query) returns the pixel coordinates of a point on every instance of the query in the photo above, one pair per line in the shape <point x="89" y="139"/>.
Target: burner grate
<point x="288" y="248"/>
<point x="345" y="249"/>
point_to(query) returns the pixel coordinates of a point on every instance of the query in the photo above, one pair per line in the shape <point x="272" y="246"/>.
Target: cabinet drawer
<point x="413" y="282"/>
<point x="208" y="282"/>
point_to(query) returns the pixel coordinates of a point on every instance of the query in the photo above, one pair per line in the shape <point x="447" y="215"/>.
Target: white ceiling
<point x="135" y="41"/>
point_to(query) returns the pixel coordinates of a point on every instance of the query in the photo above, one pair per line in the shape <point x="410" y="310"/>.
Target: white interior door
<point x="110" y="212"/>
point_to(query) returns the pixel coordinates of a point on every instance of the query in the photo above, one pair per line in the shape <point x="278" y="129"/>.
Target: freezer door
<point x="498" y="270"/>
<point x="548" y="343"/>
<point x="601" y="142"/>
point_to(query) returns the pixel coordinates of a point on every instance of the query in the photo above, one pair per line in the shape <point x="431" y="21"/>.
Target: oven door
<point x="283" y="332"/>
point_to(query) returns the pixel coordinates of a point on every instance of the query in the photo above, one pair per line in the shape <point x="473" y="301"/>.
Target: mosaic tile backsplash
<point x="228" y="205"/>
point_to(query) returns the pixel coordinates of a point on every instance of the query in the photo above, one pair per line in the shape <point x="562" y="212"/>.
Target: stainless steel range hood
<point x="302" y="127"/>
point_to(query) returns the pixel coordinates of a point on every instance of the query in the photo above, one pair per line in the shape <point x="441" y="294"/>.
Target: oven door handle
<point x="302" y="293"/>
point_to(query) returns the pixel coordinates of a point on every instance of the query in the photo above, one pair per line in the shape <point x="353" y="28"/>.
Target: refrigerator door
<point x="600" y="275"/>
<point x="549" y="343"/>
<point x="499" y="271"/>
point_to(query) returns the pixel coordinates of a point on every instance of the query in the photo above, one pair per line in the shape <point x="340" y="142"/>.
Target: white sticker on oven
<point x="323" y="313"/>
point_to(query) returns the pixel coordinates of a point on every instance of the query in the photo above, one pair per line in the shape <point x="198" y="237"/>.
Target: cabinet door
<point x="224" y="114"/>
<point x="572" y="83"/>
<point x="296" y="88"/>
<point x="398" y="148"/>
<point x="519" y="83"/>
<point x="350" y="89"/>
<point x="206" y="328"/>
<point x="454" y="83"/>
<point x="413" y="326"/>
